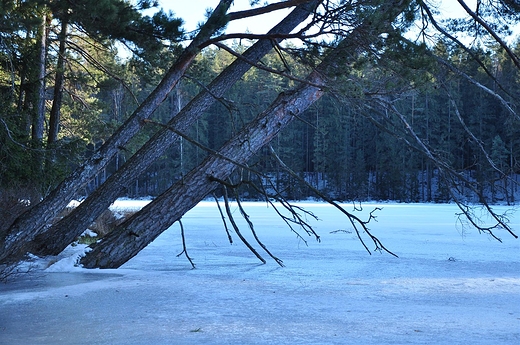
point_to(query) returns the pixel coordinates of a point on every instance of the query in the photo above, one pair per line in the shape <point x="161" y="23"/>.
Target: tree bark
<point x="16" y="241"/>
<point x="69" y="228"/>
<point x="39" y="116"/>
<point x="54" y="116"/>
<point x="143" y="227"/>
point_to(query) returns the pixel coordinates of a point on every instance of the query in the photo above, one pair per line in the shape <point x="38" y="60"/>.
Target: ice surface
<point x="448" y="286"/>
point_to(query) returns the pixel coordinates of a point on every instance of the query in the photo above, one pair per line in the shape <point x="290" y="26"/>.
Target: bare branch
<point x="223" y="219"/>
<point x="428" y="12"/>
<point x="10" y="136"/>
<point x="237" y="229"/>
<point x="354" y="220"/>
<point x="225" y="102"/>
<point x="297" y="214"/>
<point x="502" y="101"/>
<point x="492" y="32"/>
<point x="196" y="143"/>
<point x="92" y="60"/>
<point x="473" y="137"/>
<point x="265" y="9"/>
<point x="265" y="68"/>
<point x="452" y="176"/>
<point x="184" y="250"/>
<point x="272" y="36"/>
<point x="251" y="227"/>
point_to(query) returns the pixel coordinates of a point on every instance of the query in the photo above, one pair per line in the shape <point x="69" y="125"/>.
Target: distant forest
<point x="345" y="147"/>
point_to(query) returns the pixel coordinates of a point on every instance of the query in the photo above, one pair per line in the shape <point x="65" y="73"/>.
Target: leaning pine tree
<point x="143" y="227"/>
<point x="70" y="227"/>
<point x="34" y="230"/>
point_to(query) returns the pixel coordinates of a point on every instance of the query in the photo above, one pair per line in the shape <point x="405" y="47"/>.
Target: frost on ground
<point x="448" y="286"/>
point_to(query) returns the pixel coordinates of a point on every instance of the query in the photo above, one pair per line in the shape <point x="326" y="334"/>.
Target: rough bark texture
<point x="38" y="121"/>
<point x="16" y="241"/>
<point x="142" y="228"/>
<point x="69" y="228"/>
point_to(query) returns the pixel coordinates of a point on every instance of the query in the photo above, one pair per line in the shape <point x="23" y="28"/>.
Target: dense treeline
<point x="347" y="148"/>
<point x="344" y="145"/>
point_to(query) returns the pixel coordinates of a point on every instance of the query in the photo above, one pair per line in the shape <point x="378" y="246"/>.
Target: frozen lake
<point x="448" y="286"/>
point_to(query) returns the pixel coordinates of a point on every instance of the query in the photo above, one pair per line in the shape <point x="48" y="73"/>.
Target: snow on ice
<point x="450" y="285"/>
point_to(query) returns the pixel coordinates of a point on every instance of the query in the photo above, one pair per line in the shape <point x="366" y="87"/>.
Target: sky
<point x="193" y="11"/>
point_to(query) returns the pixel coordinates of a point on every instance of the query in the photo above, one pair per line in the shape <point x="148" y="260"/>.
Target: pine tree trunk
<point x="39" y="116"/>
<point x="17" y="240"/>
<point x="54" y="116"/>
<point x="69" y="228"/>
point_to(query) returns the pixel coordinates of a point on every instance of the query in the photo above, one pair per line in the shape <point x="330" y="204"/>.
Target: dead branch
<point x="251" y="227"/>
<point x="272" y="36"/>
<point x="101" y="67"/>
<point x="472" y="136"/>
<point x="265" y="68"/>
<point x="223" y="219"/>
<point x="14" y="141"/>
<point x="309" y="6"/>
<point x="265" y="9"/>
<point x="428" y="12"/>
<point x="184" y="250"/>
<point x="354" y="220"/>
<point x="492" y="32"/>
<point x="10" y="271"/>
<point x="237" y="229"/>
<point x="196" y="143"/>
<point x="297" y="213"/>
<point x="451" y="176"/>
<point x="228" y="104"/>
<point x="294" y="210"/>
<point x="502" y="101"/>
